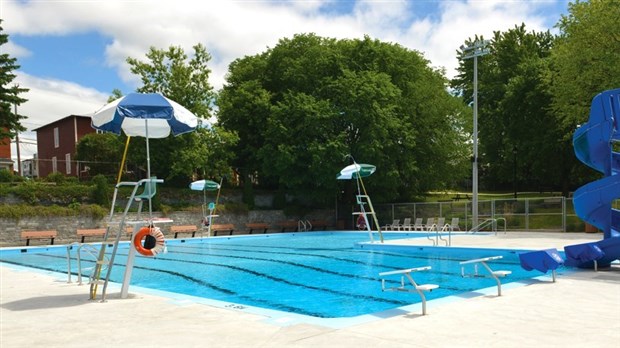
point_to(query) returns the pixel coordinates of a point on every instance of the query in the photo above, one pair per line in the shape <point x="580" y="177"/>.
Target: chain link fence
<point x="523" y="214"/>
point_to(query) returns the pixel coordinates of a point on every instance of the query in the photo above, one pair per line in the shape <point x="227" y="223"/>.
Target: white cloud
<point x="50" y="100"/>
<point x="233" y="29"/>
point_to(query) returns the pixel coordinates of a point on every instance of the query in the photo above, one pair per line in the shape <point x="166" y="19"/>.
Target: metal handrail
<point x="304" y="225"/>
<point x="446" y="227"/>
<point x="485" y="223"/>
<point x="90" y="250"/>
<point x="431" y="228"/>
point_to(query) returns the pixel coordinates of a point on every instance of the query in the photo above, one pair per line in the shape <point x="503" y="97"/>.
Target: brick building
<point x="5" y="154"/>
<point x="57" y="142"/>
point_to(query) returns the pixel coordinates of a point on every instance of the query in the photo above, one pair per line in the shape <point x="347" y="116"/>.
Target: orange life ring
<point x="146" y="232"/>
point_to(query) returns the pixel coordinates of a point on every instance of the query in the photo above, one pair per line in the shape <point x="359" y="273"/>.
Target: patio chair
<point x="441" y="223"/>
<point x="392" y="226"/>
<point x="429" y="223"/>
<point x="418" y="225"/>
<point x="454" y="224"/>
<point x="406" y="226"/>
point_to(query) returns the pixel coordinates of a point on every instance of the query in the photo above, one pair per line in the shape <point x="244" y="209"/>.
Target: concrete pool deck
<point x="581" y="309"/>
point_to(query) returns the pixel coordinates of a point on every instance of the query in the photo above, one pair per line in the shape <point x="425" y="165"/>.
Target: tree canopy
<point x="518" y="134"/>
<point x="585" y="62"/>
<point x="299" y="108"/>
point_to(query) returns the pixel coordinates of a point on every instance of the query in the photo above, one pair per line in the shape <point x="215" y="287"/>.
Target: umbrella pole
<point x="148" y="167"/>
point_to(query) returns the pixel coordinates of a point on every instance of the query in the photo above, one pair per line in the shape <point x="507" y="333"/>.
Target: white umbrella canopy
<point x="355" y="171"/>
<point x="206" y="185"/>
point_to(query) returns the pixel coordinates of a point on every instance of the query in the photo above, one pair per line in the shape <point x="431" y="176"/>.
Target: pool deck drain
<point x="581" y="309"/>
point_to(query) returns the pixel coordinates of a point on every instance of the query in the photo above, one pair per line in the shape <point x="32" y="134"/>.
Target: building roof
<point x="59" y="120"/>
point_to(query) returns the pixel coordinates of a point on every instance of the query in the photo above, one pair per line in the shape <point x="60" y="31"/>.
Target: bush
<point x="19" y="211"/>
<point x="56" y="177"/>
<point x="6" y="176"/>
<point x="101" y="191"/>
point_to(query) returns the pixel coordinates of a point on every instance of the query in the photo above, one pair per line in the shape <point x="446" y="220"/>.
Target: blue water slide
<point x="594" y="145"/>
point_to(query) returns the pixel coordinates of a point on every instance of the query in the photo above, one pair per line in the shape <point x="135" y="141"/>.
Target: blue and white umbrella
<point x="149" y="115"/>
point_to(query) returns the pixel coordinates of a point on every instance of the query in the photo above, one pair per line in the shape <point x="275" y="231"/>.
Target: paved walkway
<point x="580" y="309"/>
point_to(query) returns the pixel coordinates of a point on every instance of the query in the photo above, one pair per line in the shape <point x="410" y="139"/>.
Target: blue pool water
<point x="316" y="274"/>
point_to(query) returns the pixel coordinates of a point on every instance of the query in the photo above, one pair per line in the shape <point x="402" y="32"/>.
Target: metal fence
<point x="523" y="214"/>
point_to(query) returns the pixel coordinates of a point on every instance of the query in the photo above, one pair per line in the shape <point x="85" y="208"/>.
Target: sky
<point x="72" y="53"/>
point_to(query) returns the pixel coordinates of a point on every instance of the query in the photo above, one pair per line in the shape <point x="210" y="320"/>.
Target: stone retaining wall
<point x="10" y="229"/>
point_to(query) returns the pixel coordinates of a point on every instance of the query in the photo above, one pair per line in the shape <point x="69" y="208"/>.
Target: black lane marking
<point x="347" y="250"/>
<point x="259" y="274"/>
<point x="348" y="275"/>
<point x="373" y="264"/>
<point x="269" y="304"/>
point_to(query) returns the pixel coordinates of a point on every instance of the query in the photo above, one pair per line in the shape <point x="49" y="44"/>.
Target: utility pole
<point x="478" y="48"/>
<point x="19" y="159"/>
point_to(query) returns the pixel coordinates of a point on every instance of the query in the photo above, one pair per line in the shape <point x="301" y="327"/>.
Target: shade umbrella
<point x="355" y="171"/>
<point x="149" y="115"/>
<point x="206" y="185"/>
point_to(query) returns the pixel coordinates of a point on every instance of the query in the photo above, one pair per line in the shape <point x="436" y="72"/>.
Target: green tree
<point x="586" y="61"/>
<point x="185" y="80"/>
<point x="303" y="105"/>
<point x="9" y="94"/>
<point x="518" y="134"/>
<point x="101" y="153"/>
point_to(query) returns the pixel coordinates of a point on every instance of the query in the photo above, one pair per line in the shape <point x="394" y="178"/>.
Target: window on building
<point x="54" y="165"/>
<point x="68" y="163"/>
<point x="56" y="140"/>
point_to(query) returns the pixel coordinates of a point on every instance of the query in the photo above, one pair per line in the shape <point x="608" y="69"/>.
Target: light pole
<point x="474" y="50"/>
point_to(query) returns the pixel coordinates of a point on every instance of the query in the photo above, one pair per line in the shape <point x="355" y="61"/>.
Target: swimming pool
<point x="325" y="275"/>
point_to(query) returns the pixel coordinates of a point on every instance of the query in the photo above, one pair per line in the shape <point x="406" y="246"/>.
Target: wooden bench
<point x="288" y="225"/>
<point x="184" y="229"/>
<point x="319" y="224"/>
<point x="257" y="226"/>
<point x="88" y="232"/>
<point x="28" y="235"/>
<point x="215" y="228"/>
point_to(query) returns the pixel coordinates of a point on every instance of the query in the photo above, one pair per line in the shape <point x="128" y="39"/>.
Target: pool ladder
<point x="79" y="249"/>
<point x="304" y="225"/>
<point x="439" y="233"/>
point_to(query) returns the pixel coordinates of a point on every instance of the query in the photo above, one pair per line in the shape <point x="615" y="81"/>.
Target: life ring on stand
<point x="361" y="222"/>
<point x="154" y="241"/>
